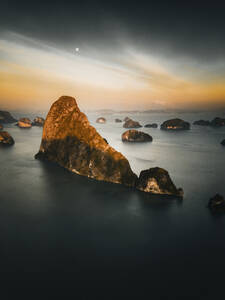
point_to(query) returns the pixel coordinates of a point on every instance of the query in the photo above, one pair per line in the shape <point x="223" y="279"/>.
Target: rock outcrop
<point x="202" y="123"/>
<point x="6" y="117"/>
<point x="6" y="139"/>
<point x="175" y="124"/>
<point x="153" y="125"/>
<point x="217" y="203"/>
<point x="217" y="122"/>
<point x="38" y="121"/>
<point x="135" y="136"/>
<point x="157" y="181"/>
<point x="101" y="120"/>
<point x="70" y="141"/>
<point x="24" y="123"/>
<point x="131" y="124"/>
<point x="223" y="142"/>
<point x="118" y="120"/>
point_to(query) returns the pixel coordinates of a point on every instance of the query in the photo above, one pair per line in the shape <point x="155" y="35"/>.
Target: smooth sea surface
<point x="65" y="235"/>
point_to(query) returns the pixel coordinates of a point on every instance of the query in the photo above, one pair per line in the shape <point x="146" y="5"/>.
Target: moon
<point x="77" y="49"/>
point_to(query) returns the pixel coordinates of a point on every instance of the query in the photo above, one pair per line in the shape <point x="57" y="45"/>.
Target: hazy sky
<point x="132" y="54"/>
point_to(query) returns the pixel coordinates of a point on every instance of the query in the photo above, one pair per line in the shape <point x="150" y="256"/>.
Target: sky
<point x="132" y="54"/>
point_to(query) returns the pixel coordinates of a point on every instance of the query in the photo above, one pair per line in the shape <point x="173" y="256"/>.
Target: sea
<point x="64" y="235"/>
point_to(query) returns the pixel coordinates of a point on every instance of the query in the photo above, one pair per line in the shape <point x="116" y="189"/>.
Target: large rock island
<point x="69" y="140"/>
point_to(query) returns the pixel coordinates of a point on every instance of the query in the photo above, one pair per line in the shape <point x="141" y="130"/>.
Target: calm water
<point x="62" y="234"/>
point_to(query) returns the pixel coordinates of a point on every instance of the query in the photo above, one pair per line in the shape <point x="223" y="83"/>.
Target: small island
<point x="157" y="181"/>
<point x="6" y="139"/>
<point x="202" y="123"/>
<point x="118" y="120"/>
<point x="101" y="120"/>
<point x="129" y="123"/>
<point x="175" y="125"/>
<point x="217" y="122"/>
<point x="153" y="125"/>
<point x="24" y="123"/>
<point x="6" y="117"/>
<point x="135" y="136"/>
<point x="217" y="204"/>
<point x="38" y="121"/>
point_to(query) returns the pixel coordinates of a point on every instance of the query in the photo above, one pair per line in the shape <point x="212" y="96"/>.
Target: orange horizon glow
<point x="35" y="77"/>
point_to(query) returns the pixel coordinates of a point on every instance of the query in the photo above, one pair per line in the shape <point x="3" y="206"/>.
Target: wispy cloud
<point x="33" y="72"/>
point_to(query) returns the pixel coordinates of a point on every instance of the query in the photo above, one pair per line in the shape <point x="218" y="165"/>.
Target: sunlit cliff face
<point x="33" y="74"/>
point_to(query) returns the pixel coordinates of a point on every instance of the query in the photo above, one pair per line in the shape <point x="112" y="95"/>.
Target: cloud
<point x="35" y="72"/>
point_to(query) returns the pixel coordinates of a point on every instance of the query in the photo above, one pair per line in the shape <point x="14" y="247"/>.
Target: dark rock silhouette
<point x="131" y="124"/>
<point x="175" y="124"/>
<point x="118" y="120"/>
<point x="38" y="121"/>
<point x="202" y="123"/>
<point x="24" y="123"/>
<point x="6" y="139"/>
<point x="101" y="120"/>
<point x="6" y="117"/>
<point x="217" y="122"/>
<point x="153" y="125"/>
<point x="157" y="181"/>
<point x="136" y="136"/>
<point x="223" y="142"/>
<point x="69" y="140"/>
<point x="217" y="203"/>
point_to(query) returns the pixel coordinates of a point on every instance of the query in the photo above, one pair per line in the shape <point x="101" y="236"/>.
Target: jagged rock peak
<point x="69" y="140"/>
